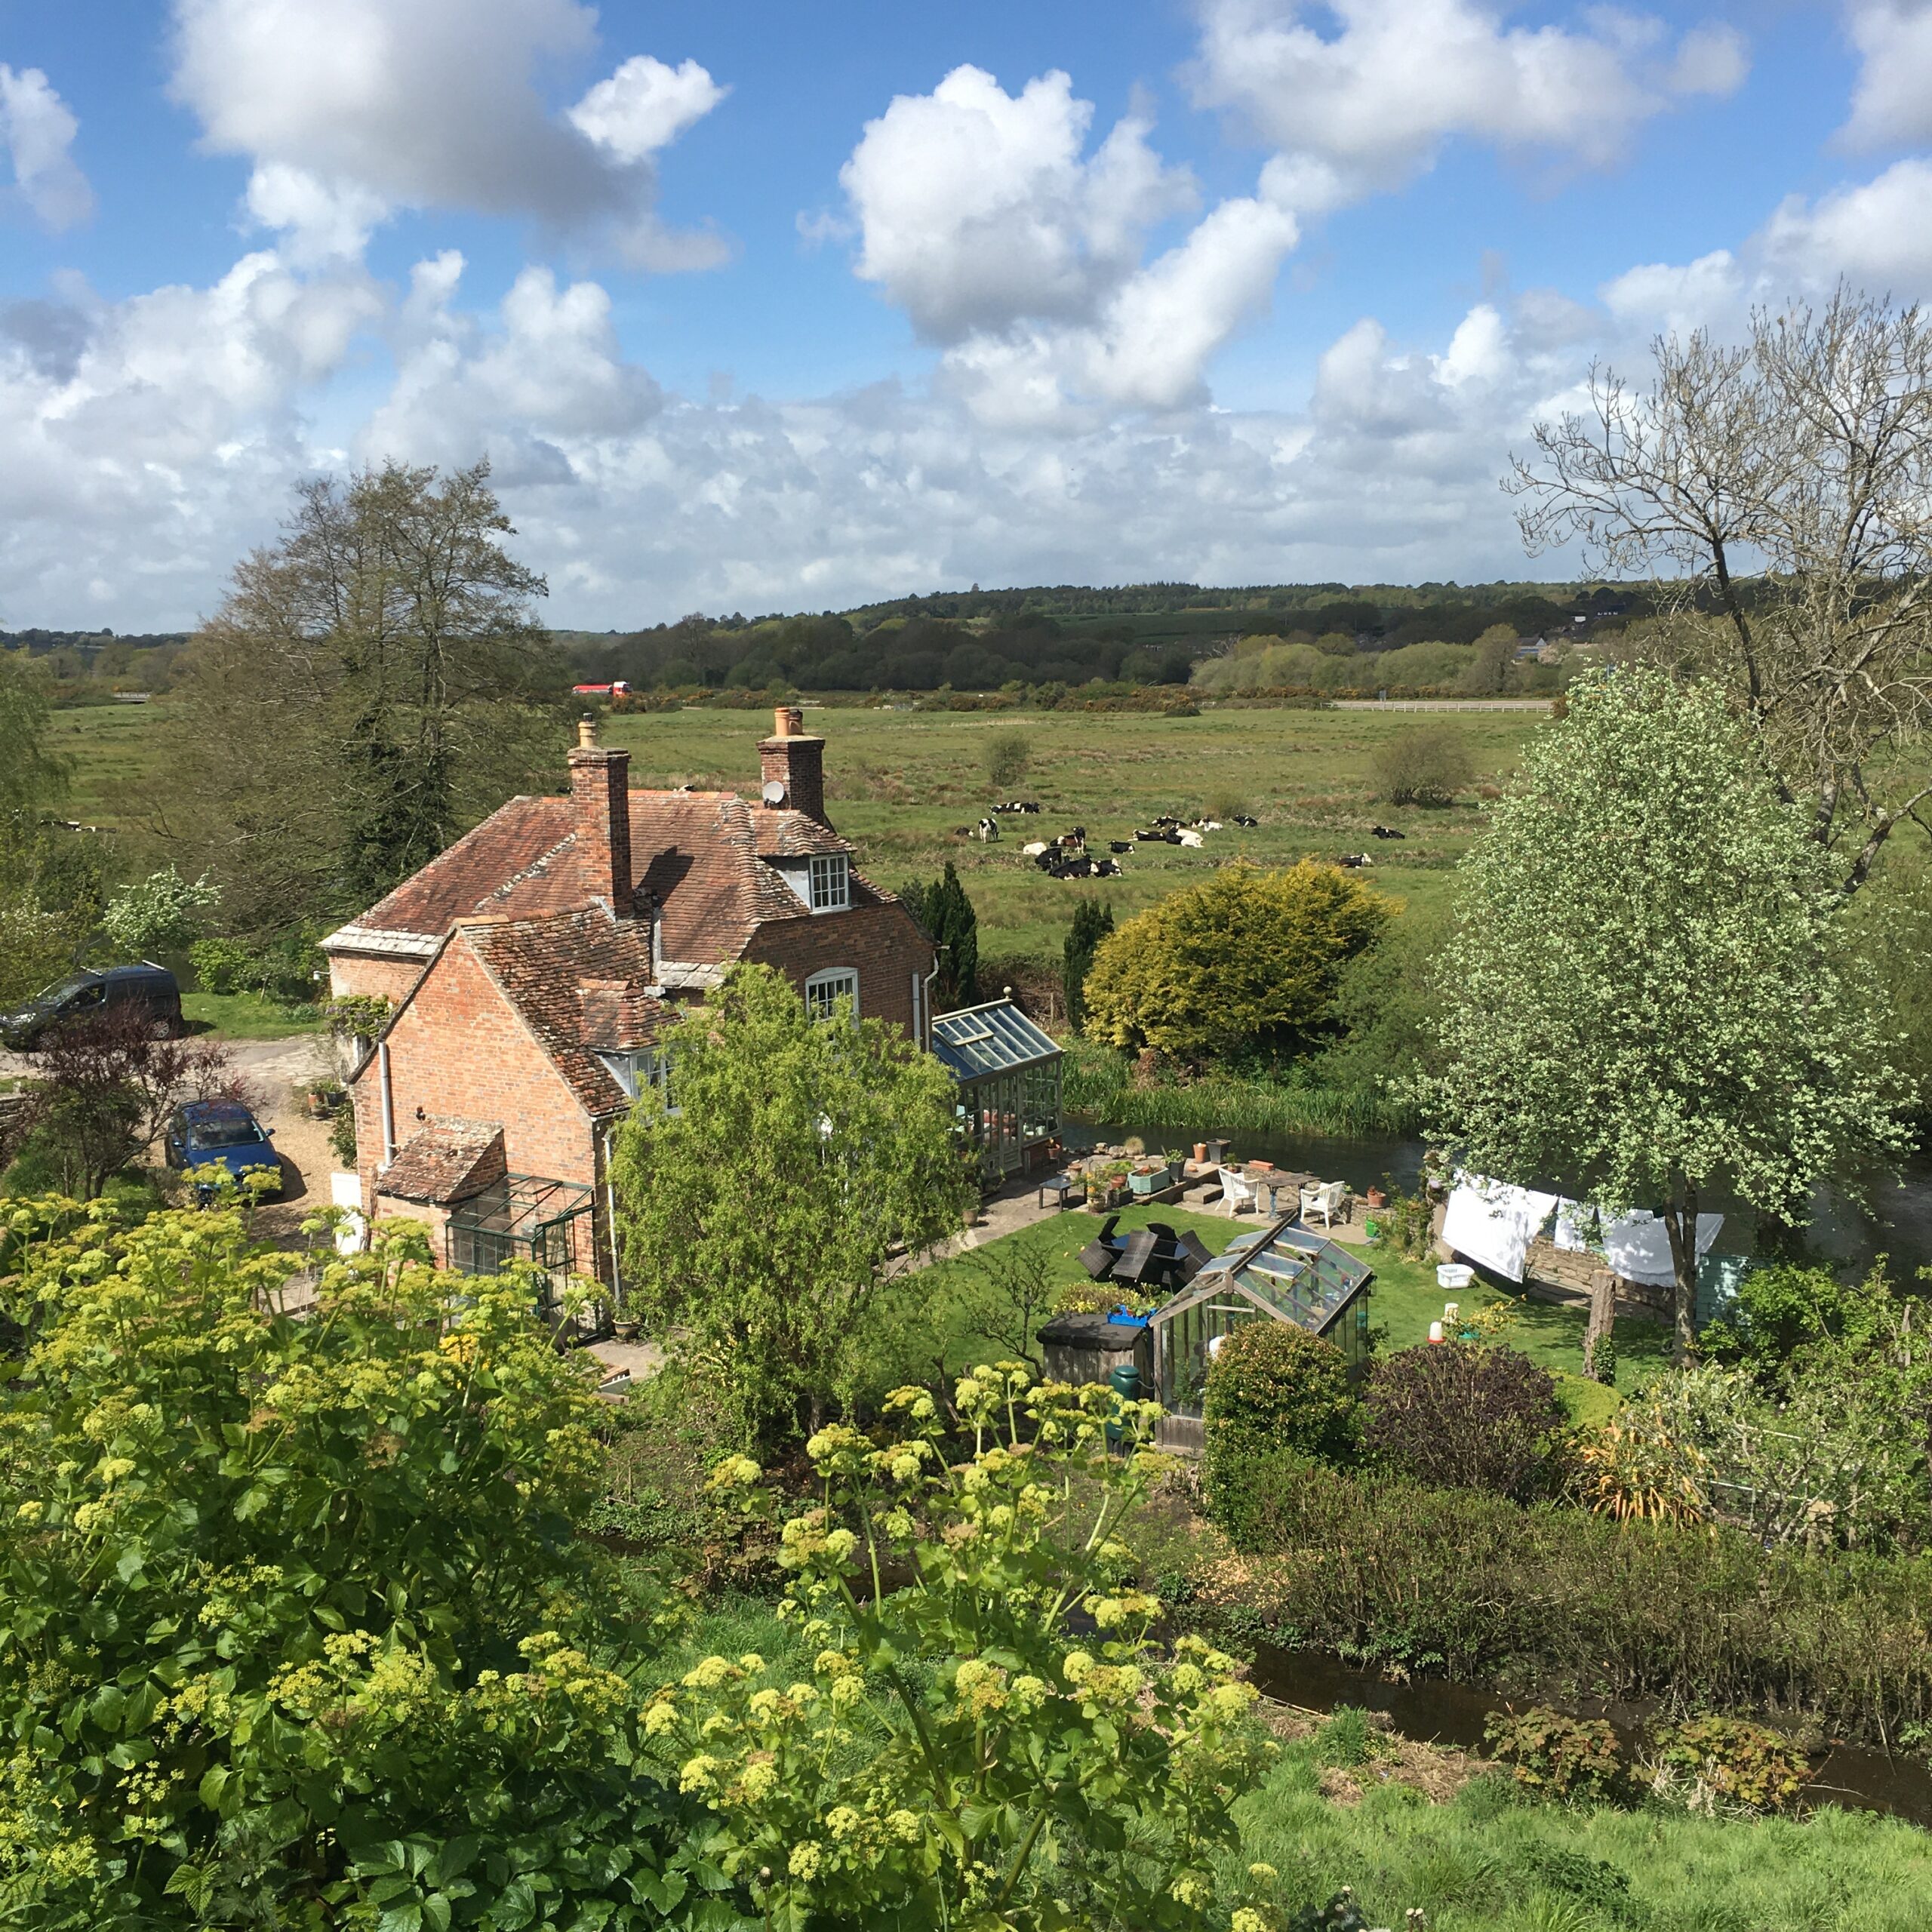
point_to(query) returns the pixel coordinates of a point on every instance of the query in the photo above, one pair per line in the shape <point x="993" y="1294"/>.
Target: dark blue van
<point x="145" y="989"/>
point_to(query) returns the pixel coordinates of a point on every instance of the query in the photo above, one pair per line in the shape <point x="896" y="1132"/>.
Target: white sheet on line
<point x="1574" y="1222"/>
<point x="1492" y="1223"/>
<point x="1637" y="1247"/>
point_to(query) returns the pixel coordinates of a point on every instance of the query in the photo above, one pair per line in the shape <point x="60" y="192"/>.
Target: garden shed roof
<point x="994" y="1038"/>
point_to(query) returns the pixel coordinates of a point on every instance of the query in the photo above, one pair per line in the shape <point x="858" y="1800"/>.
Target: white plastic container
<point x="1454" y="1275"/>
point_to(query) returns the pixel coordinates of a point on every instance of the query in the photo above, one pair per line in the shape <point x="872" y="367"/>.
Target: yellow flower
<point x="905" y="1826"/>
<point x="758" y="1781"/>
<point x="31" y="1512"/>
<point x="843" y="1821"/>
<point x="708" y="1675"/>
<point x="1191" y="1888"/>
<point x="751" y="1664"/>
<point x="1262" y="1875"/>
<point x="805" y="1860"/>
<point x="1078" y="1666"/>
<point x="1247" y="1920"/>
<point x="698" y="1774"/>
<point x="659" y="1718"/>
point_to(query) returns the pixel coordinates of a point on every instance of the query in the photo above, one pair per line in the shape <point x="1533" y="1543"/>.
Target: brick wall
<point x="879" y="942"/>
<point x="354" y="977"/>
<point x="458" y="1050"/>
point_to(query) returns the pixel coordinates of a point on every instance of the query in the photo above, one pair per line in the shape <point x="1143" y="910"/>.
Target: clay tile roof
<point x="449" y="1160"/>
<point x="517" y="861"/>
<point x="703" y="857"/>
<point x="544" y="967"/>
<point x="789" y="835"/>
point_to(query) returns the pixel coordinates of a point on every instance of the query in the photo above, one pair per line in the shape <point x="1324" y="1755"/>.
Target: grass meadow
<point x="902" y="784"/>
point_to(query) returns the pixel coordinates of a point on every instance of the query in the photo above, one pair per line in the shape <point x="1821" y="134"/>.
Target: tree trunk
<point x="1681" y="1220"/>
<point x="1603" y="1312"/>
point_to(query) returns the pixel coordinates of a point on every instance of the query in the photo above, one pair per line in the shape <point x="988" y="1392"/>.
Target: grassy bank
<point x="1100" y="1086"/>
<point x="1486" y="1862"/>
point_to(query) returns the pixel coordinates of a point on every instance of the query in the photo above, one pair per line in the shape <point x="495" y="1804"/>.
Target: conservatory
<point x="1008" y="1073"/>
<point x="1283" y="1272"/>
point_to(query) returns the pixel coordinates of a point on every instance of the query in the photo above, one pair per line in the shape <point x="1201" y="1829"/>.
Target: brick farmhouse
<point x="532" y="967"/>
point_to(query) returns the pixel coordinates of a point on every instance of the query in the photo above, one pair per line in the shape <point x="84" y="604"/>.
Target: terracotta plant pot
<point x="1201" y="1153"/>
<point x="1376" y="1197"/>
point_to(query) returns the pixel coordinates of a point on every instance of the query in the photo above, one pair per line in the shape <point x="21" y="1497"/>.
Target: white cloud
<point x="1677" y="298"/>
<point x="1364" y="107"/>
<point x="1878" y="233"/>
<point x="976" y="209"/>
<point x="645" y="105"/>
<point x="1891" y="105"/>
<point x="351" y="111"/>
<point x="981" y="215"/>
<point x="38" y="129"/>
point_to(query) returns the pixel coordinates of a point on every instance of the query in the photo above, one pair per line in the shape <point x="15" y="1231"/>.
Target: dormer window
<point x="830" y="882"/>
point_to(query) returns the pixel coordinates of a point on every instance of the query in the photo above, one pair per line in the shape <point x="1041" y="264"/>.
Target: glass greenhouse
<point x="1284" y="1273"/>
<point x="1008" y="1073"/>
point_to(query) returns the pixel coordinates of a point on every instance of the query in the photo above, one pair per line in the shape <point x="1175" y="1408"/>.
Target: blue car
<point x="222" y="1133"/>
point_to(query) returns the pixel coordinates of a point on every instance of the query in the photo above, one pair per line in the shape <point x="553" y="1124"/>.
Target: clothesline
<point x="1492" y="1223"/>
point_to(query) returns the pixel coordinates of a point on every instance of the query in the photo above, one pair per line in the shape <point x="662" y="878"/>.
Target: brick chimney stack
<point x="601" y="799"/>
<point x="794" y="763"/>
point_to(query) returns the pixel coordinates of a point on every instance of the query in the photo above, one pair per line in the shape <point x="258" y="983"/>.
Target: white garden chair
<point x="1325" y="1199"/>
<point x="1240" y="1192"/>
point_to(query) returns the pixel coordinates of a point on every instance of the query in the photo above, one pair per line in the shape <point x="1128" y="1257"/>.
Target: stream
<point x="1431" y="1711"/>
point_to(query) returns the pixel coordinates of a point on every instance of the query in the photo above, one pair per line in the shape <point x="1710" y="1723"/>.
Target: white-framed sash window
<point x="824" y="990"/>
<point x="830" y="882"/>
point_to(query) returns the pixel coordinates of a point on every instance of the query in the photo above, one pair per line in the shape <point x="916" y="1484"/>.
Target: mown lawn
<point x="1404" y="1299"/>
<point x="243" y="1016"/>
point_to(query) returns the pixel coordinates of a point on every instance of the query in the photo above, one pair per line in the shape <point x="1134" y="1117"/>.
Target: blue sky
<point x="756" y="306"/>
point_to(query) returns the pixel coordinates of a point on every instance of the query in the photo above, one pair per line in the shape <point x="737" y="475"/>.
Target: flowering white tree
<point x="1650" y="992"/>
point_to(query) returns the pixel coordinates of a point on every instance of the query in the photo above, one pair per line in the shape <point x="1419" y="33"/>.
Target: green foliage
<point x="1093" y="921"/>
<point x="360" y="1016"/>
<point x="51" y="881"/>
<point x="160" y="913"/>
<point x="1724" y="1764"/>
<point x="294" y="1623"/>
<point x="1836" y="1456"/>
<point x="1576" y="1760"/>
<point x="954" y="1756"/>
<point x="1273" y="1385"/>
<point x="1344" y="1738"/>
<point x="1247" y="958"/>
<point x="342" y="1136"/>
<point x="1650" y="995"/>
<point x="946" y="916"/>
<point x="767" y="1216"/>
<point x="1466" y="1417"/>
<point x="1008" y="756"/>
<point x="1482" y="1589"/>
<point x="223" y="966"/>
<point x="1427" y="766"/>
<point x="1387" y="999"/>
<point x="368" y="689"/>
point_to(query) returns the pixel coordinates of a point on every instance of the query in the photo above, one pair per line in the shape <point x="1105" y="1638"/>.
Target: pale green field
<point x="902" y="784"/>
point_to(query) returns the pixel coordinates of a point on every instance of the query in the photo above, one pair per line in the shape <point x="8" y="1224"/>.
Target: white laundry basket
<point x="1454" y="1275"/>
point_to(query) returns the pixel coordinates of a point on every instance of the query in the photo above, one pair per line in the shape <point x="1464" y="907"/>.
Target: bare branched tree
<point x="1779" y="491"/>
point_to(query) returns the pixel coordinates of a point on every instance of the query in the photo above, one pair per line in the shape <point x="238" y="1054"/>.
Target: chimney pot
<point x="795" y="763"/>
<point x="601" y="802"/>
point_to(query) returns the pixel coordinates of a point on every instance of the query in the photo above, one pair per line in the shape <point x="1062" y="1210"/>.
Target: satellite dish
<point x="774" y="792"/>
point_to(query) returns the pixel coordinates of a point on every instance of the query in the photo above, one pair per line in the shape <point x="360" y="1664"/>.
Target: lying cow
<point x="1386" y="831"/>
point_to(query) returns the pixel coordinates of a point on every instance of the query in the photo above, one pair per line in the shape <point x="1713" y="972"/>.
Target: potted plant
<point x="626" y="1327"/>
<point x="1201" y="1153"/>
<point x="1146" y="1178"/>
<point x="322" y="1097"/>
<point x="1376" y="1196"/>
